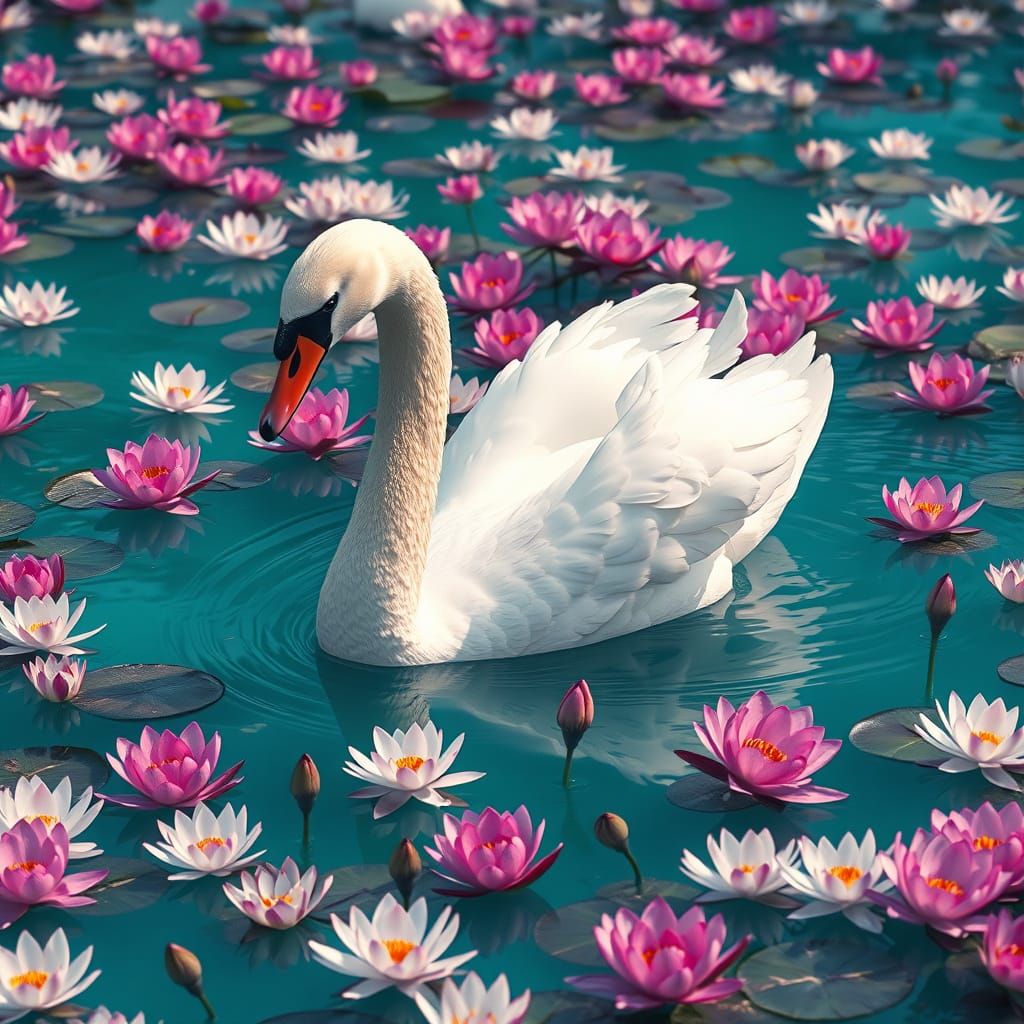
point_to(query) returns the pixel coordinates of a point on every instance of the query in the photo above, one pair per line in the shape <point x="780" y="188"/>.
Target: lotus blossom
<point x="32" y="800"/>
<point x="838" y="879"/>
<point x="770" y="332"/>
<point x="692" y="91"/>
<point x="36" y="977"/>
<point x="407" y="765"/>
<point x="178" y="392"/>
<point x="463" y="395"/>
<point x="15" y="405"/>
<point x="823" y="154"/>
<point x="392" y="949"/>
<point x="209" y="12"/>
<point x="765" y="750"/>
<point x="314" y="105"/>
<point x="166" y="232"/>
<point x="693" y="50"/>
<point x="524" y="123"/>
<point x="35" y="77"/>
<point x="33" y="148"/>
<point x="490" y="852"/>
<point x="852" y="67"/>
<point x="42" y="624"/>
<point x="883" y="241"/>
<point x="751" y="25"/>
<point x="534" y="85"/>
<point x="972" y="207"/>
<point x="463" y="190"/>
<point x="984" y="736"/>
<point x="899" y="324"/>
<point x="171" y="770"/>
<point x="462" y="63"/>
<point x="278" y="897"/>
<point x="86" y="165"/>
<point x="504" y="336"/>
<point x="901" y="144"/>
<point x="23" y="113"/>
<point x="489" y="282"/>
<point x="965" y="21"/>
<point x="101" y="1015"/>
<point x="433" y="242"/>
<point x="618" y="240"/>
<point x="319" y="426"/>
<point x="579" y="26"/>
<point x="941" y="883"/>
<point x="56" y="679"/>
<point x="156" y="474"/>
<point x="1013" y="284"/>
<point x="801" y="95"/>
<point x="145" y="27"/>
<point x="586" y="164"/>
<point x="988" y="829"/>
<point x="139" y="138"/>
<point x="476" y="33"/>
<point x="206" y="843"/>
<point x="29" y="576"/>
<point x="947" y="293"/>
<point x="359" y="74"/>
<point x="333" y="148"/>
<point x="1015" y="374"/>
<point x="33" y="862"/>
<point x="472" y="156"/>
<point x="118" y="102"/>
<point x="839" y="220"/>
<point x="545" y="219"/>
<point x="659" y="958"/>
<point x="10" y="237"/>
<point x="638" y="65"/>
<point x="803" y="295"/>
<point x="1002" y="949"/>
<point x="291" y="63"/>
<point x="949" y="386"/>
<point x="244" y="236"/>
<point x="193" y="118"/>
<point x="1008" y="579"/>
<point x="16" y="15"/>
<point x="36" y="305"/>
<point x="760" y="80"/>
<point x="599" y="90"/>
<point x="925" y="510"/>
<point x="695" y="261"/>
<point x="417" y="25"/>
<point x="111" y="45"/>
<point x="747" y="868"/>
<point x="179" y="56"/>
<point x="808" y="13"/>
<point x="191" y="165"/>
<point x="473" y="1001"/>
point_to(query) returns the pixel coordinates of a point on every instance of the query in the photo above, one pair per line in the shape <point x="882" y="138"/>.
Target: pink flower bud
<point x="575" y="713"/>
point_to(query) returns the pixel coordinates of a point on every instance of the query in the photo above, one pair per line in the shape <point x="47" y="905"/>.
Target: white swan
<point x="606" y="483"/>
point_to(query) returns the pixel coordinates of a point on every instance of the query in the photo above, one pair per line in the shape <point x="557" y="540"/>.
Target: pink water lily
<point x="179" y="56"/>
<point x="191" y="165"/>
<point x="899" y="325"/>
<point x="319" y="426"/>
<point x="33" y="148"/>
<point x="490" y="852"/>
<point x="661" y="959"/>
<point x="165" y="232"/>
<point x="193" y="118"/>
<point x="794" y="294"/>
<point x="138" y="138"/>
<point x="617" y="240"/>
<point x="253" y="186"/>
<point x="35" y="76"/>
<point x="695" y="261"/>
<point x="314" y="105"/>
<point x="925" y="510"/>
<point x="985" y="828"/>
<point x="770" y="332"/>
<point x="599" y="90"/>
<point x="505" y="335"/>
<point x="27" y="576"/>
<point x="156" y="474"/>
<point x="489" y="282"/>
<point x="171" y="770"/>
<point x="432" y="241"/>
<point x="291" y="63"/>
<point x="545" y="219"/>
<point x="949" y="386"/>
<point x="692" y="91"/>
<point x="852" y="67"/>
<point x="1002" y="949"/>
<point x="765" y="750"/>
<point x="15" y="405"/>
<point x="751" y="25"/>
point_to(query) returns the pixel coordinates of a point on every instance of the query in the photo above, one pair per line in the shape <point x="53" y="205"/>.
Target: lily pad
<point x="94" y="227"/>
<point x="233" y="475"/>
<point x="259" y="124"/>
<point x="230" y="87"/>
<point x="991" y="149"/>
<point x="199" y="312"/>
<point x="1004" y="490"/>
<point x="999" y="341"/>
<point x="819" y="260"/>
<point x="891" y="183"/>
<point x="878" y="394"/>
<point x="140" y="692"/>
<point x="324" y="1017"/>
<point x="79" y="489"/>
<point x="400" y="124"/>
<point x="700" y="792"/>
<point x="1012" y="670"/>
<point x="737" y="165"/>
<point x="82" y="766"/>
<point x="251" y="339"/>
<point x="414" y="167"/>
<point x="639" y="130"/>
<point x="130" y="886"/>
<point x="891" y="734"/>
<point x="14" y="517"/>
<point x="64" y="395"/>
<point x="258" y="377"/>
<point x="83" y="557"/>
<point x="405" y="91"/>
<point x="561" y="1006"/>
<point x="825" y="979"/>
<point x="40" y="247"/>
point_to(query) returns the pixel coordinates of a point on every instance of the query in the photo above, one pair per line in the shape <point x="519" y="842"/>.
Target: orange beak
<point x="294" y="377"/>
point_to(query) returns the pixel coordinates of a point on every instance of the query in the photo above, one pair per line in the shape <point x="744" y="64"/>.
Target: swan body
<point x="608" y="482"/>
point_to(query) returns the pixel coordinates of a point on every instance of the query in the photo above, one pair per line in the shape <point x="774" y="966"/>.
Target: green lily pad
<point x="405" y="91"/>
<point x="199" y="312"/>
<point x="878" y="394"/>
<point x="141" y="692"/>
<point x="892" y="183"/>
<point x="991" y="149"/>
<point x="891" y="734"/>
<point x="228" y="87"/>
<point x="415" y="167"/>
<point x="130" y="886"/>
<point x="78" y="489"/>
<point x="819" y="260"/>
<point x="40" y="247"/>
<point x="699" y="792"/>
<point x="1004" y="490"/>
<point x="825" y="979"/>
<point x="1013" y="186"/>
<point x="737" y="165"/>
<point x="258" y="377"/>
<point x="83" y="557"/>
<point x="324" y="1017"/>
<point x="94" y="227"/>
<point x="997" y="342"/>
<point x="233" y="475"/>
<point x="14" y="517"/>
<point x="638" y="130"/>
<point x="251" y="339"/>
<point x="1012" y="670"/>
<point x="400" y="124"/>
<point x="51" y="764"/>
<point x="64" y="395"/>
<point x="561" y="1006"/>
<point x="259" y="124"/>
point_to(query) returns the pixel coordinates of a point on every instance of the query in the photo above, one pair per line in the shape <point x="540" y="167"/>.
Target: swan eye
<point x="331" y="304"/>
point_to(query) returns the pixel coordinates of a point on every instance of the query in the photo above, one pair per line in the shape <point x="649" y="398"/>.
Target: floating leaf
<point x="232" y="87"/>
<point x="1012" y="670"/>
<point x="324" y="1017"/>
<point x="251" y="339"/>
<point x="258" y="377"/>
<point x="78" y="489"/>
<point x="891" y="183"/>
<point x="878" y="394"/>
<point x="825" y="979"/>
<point x="405" y="91"/>
<point x="233" y="475"/>
<point x="991" y="149"/>
<point x="637" y="130"/>
<point x="737" y="165"/>
<point x="259" y="124"/>
<point x="997" y="342"/>
<point x="891" y="734"/>
<point x="130" y="886"/>
<point x="1004" y="490"/>
<point x="14" y="517"/>
<point x="400" y="124"/>
<point x="1014" y="186"/>
<point x="414" y="167"/>
<point x="140" y="692"/>
<point x="51" y="764"/>
<point x="83" y="556"/>
<point x="63" y="395"/>
<point x="40" y="247"/>
<point x="94" y="227"/>
<point x="699" y="792"/>
<point x="819" y="260"/>
<point x="562" y="1006"/>
<point x="199" y="312"/>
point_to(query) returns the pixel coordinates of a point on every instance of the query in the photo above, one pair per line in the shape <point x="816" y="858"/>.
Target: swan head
<point x="342" y="275"/>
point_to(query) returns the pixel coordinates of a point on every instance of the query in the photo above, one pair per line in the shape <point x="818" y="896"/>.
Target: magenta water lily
<point x="925" y="510"/>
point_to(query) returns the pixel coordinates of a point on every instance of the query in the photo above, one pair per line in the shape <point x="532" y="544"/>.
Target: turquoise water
<point x="823" y="612"/>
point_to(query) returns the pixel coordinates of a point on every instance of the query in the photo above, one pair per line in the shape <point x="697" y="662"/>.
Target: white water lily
<point x="838" y="879"/>
<point x="801" y="94"/>
<point x="464" y="395"/>
<point x="83" y="166"/>
<point x="35" y="977"/>
<point x="417" y="25"/>
<point x="333" y="148"/>
<point x="897" y="6"/>
<point x="965" y="21"/>
<point x="808" y="12"/>
<point x="393" y="949"/>
<point x="525" y="123"/>
<point x="578" y="26"/>
<point x="839" y="220"/>
<point x="1008" y="579"/>
<point x="473" y="1002"/>
<point x="278" y="898"/>
<point x="965" y="206"/>
<point x="319" y="201"/>
<point x="156" y="27"/>
<point x="982" y="736"/>
<point x="101" y="1015"/>
<point x="17" y="115"/>
<point x="587" y="164"/>
<point x="115" y="44"/>
<point x="35" y="305"/>
<point x="15" y="16"/>
<point x="607" y="203"/>
<point x="206" y="843"/>
<point x="56" y="679"/>
<point x="949" y="293"/>
<point x="901" y="144"/>
<point x="118" y="102"/>
<point x="292" y="35"/>
<point x="823" y="154"/>
<point x="375" y="199"/>
<point x="759" y="80"/>
<point x="407" y="765"/>
<point x="470" y="156"/>
<point x="178" y="391"/>
<point x="32" y="800"/>
<point x="1015" y="374"/>
<point x="1013" y="284"/>
<point x="42" y="624"/>
<point x="244" y="236"/>
<point x="747" y="868"/>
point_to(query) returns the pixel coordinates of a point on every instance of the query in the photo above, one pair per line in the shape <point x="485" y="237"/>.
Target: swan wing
<point x="606" y="482"/>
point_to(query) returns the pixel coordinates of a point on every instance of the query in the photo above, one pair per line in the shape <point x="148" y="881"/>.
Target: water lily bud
<point x="405" y="867"/>
<point x="183" y="967"/>
<point x="947" y="70"/>
<point x="613" y="832"/>
<point x="940" y="605"/>
<point x="305" y="783"/>
<point x="575" y="713"/>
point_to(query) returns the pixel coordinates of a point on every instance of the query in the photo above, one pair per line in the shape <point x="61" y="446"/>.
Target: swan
<point x="607" y="482"/>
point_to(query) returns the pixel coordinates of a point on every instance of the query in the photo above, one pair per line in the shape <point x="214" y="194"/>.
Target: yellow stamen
<point x="1011" y="950"/>
<point x="412" y="761"/>
<point x="36" y="626"/>
<point x="398" y="949"/>
<point x="767" y="750"/>
<point x="509" y="336"/>
<point x="184" y="392"/>
<point x="37" y="979"/>
<point x="946" y="885"/>
<point x="846" y="873"/>
<point x="942" y="383"/>
<point x="47" y="819"/>
<point x="987" y="842"/>
<point x="274" y="900"/>
<point x="933" y="508"/>
<point x="747" y="869"/>
<point x="26" y="866"/>
<point x="988" y="737"/>
<point x="152" y="472"/>
<point x="210" y="841"/>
